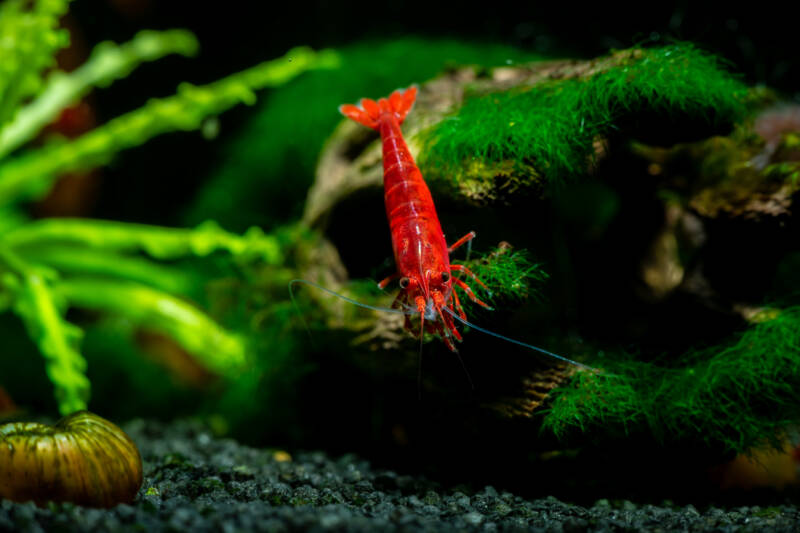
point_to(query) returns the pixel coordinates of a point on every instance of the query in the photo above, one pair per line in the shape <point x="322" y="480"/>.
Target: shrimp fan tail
<point x="369" y="111"/>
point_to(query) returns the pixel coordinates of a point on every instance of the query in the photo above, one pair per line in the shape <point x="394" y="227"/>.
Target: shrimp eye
<point x="404" y="282"/>
<point x="445" y="277"/>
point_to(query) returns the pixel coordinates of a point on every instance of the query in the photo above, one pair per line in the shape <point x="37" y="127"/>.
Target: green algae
<point x="553" y="125"/>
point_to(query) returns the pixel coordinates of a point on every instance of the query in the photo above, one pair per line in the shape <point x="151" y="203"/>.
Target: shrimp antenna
<point x="345" y="298"/>
<point x="520" y="343"/>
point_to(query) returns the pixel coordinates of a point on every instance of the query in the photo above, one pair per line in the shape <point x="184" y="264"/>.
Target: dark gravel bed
<point x="195" y="482"/>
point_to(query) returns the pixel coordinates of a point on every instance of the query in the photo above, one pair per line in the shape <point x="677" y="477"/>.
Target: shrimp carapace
<point x="420" y="251"/>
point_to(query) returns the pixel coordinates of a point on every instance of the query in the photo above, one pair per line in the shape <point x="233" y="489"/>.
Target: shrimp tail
<point x="369" y="111"/>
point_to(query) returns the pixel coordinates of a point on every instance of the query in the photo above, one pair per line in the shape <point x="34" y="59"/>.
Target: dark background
<point x="235" y="34"/>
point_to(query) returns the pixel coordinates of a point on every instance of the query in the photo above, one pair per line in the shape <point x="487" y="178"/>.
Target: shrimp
<point x="422" y="256"/>
<point x="421" y="253"/>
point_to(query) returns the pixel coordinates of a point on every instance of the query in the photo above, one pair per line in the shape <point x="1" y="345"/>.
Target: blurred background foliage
<point x="56" y="265"/>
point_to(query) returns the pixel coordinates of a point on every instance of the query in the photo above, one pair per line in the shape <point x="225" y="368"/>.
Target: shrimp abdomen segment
<point x="417" y="236"/>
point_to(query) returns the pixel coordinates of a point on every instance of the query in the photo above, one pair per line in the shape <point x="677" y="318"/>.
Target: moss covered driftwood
<point x="646" y="184"/>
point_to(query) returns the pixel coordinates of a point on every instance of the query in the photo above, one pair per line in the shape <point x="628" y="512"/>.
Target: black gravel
<point x="195" y="482"/>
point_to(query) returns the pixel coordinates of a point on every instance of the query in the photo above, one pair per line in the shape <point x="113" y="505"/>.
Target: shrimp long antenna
<point x="346" y="299"/>
<point x="520" y="343"/>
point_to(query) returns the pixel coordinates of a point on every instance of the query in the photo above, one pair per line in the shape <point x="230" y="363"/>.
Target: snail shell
<point x="84" y="459"/>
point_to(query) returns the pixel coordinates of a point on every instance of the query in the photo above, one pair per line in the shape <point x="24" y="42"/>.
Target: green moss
<point x="268" y="168"/>
<point x="735" y="395"/>
<point x="553" y="125"/>
<point x="509" y="275"/>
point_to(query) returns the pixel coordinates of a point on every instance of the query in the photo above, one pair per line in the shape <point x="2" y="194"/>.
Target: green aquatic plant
<point x="30" y="175"/>
<point x="50" y="266"/>
<point x="553" y="125"/>
<point x="30" y="40"/>
<point x="739" y="393"/>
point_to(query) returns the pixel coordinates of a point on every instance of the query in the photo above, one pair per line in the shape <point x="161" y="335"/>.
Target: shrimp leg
<point x="463" y="286"/>
<point x="458" y="307"/>
<point x="463" y="240"/>
<point x="468" y="272"/>
<point x="387" y="280"/>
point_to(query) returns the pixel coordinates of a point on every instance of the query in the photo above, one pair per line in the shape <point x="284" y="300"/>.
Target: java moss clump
<point x="742" y="394"/>
<point x="552" y="126"/>
<point x="509" y="275"/>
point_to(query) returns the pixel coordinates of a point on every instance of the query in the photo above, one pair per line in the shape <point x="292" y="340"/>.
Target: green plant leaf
<point x="108" y="62"/>
<point x="215" y="348"/>
<point x="158" y="242"/>
<point x="77" y="260"/>
<point x="29" y="40"/>
<point x="57" y="340"/>
<point x="29" y="176"/>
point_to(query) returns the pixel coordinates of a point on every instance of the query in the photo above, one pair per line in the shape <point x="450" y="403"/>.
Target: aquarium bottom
<point x="197" y="482"/>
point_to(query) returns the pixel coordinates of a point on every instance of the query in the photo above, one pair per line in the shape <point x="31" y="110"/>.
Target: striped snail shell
<point x="84" y="459"/>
